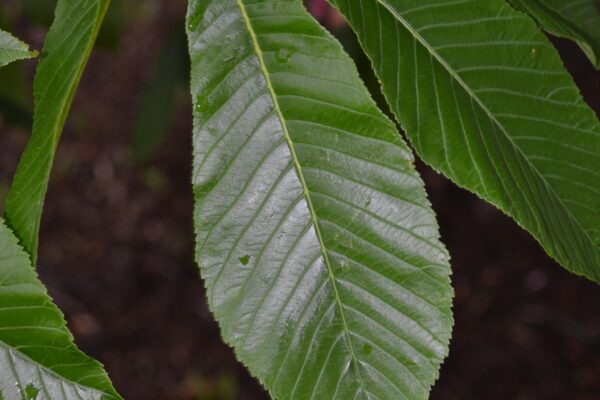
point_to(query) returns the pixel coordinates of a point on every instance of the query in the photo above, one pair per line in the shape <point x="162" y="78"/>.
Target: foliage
<point x="577" y="20"/>
<point x="59" y="71"/>
<point x="320" y="252"/>
<point x="317" y="244"/>
<point x="461" y="103"/>
<point x="37" y="355"/>
<point x="12" y="49"/>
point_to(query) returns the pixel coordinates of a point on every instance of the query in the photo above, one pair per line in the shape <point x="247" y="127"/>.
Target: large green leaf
<point x="319" y="249"/>
<point x="12" y="49"/>
<point x="484" y="98"/>
<point x="65" y="53"/>
<point x="38" y="359"/>
<point x="578" y="20"/>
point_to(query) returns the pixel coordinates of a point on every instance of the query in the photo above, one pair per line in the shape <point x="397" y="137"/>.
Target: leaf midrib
<point x="470" y="92"/>
<point x="298" y="167"/>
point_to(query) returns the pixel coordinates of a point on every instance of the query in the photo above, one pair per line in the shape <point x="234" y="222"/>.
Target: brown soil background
<point x="117" y="255"/>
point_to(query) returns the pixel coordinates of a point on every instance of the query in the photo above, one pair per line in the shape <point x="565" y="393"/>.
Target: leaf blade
<point x="12" y="49"/>
<point x="495" y="114"/>
<point x="572" y="19"/>
<point x="318" y="247"/>
<point x="36" y="349"/>
<point x="56" y="80"/>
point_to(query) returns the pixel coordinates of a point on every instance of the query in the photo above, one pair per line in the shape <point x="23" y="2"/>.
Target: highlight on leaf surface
<point x="12" y="49"/>
<point x="65" y="53"/>
<point x="578" y="20"/>
<point x="317" y="244"/>
<point x="38" y="359"/>
<point x="484" y="98"/>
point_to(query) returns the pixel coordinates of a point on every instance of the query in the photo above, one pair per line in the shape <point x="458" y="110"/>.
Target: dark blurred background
<point x="117" y="243"/>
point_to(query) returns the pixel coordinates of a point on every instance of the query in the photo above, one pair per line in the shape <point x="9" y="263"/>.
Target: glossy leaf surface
<point x="62" y="61"/>
<point x="484" y="98"/>
<point x="12" y="49"/>
<point x="38" y="359"/>
<point x="315" y="238"/>
<point x="578" y="20"/>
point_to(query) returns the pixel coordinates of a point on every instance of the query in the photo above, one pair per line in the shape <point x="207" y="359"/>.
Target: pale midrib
<point x="466" y="87"/>
<point x="307" y="196"/>
<point x="49" y="371"/>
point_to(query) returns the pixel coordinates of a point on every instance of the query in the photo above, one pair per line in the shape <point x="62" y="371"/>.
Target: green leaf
<point x="12" y="49"/>
<point x="484" y="98"/>
<point x="159" y="100"/>
<point x="64" y="56"/>
<point x="318" y="246"/>
<point x="38" y="359"/>
<point x="578" y="20"/>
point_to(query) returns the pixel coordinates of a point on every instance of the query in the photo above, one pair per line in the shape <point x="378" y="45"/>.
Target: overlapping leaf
<point x="484" y="98"/>
<point x="315" y="239"/>
<point x="12" y="49"/>
<point x="37" y="357"/>
<point x="65" y="53"/>
<point x="578" y="20"/>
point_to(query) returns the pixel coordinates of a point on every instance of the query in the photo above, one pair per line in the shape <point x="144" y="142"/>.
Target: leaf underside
<point x="37" y="354"/>
<point x="65" y="53"/>
<point x="484" y="98"/>
<point x="12" y="49"/>
<point x="318" y="247"/>
<point x="578" y="20"/>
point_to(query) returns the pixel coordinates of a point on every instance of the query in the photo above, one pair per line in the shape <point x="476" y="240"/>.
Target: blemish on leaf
<point x="245" y="259"/>
<point x="367" y="349"/>
<point x="31" y="392"/>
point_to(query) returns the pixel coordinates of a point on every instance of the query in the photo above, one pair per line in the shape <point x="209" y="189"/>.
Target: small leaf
<point x="65" y="53"/>
<point x="484" y="98"/>
<point x="319" y="249"/>
<point x="578" y="20"/>
<point x="12" y="49"/>
<point x="38" y="359"/>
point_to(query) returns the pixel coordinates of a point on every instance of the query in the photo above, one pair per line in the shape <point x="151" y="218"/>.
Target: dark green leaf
<point x="578" y="20"/>
<point x="65" y="53"/>
<point x="319" y="249"/>
<point x="159" y="100"/>
<point x="38" y="359"/>
<point x="484" y="98"/>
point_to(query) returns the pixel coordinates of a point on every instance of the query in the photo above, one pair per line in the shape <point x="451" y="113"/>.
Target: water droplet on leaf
<point x="198" y="7"/>
<point x="201" y="104"/>
<point x="284" y="55"/>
